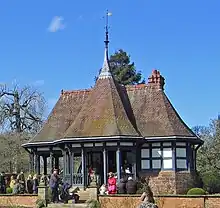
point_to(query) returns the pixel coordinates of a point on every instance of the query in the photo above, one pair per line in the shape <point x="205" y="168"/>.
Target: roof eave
<point x="193" y="139"/>
<point x="80" y="139"/>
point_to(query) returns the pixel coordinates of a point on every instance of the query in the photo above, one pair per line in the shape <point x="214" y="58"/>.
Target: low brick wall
<point x="26" y="200"/>
<point x="165" y="201"/>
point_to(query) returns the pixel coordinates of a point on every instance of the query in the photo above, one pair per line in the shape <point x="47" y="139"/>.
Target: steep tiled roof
<point x="110" y="109"/>
<point x="62" y="115"/>
<point x="103" y="114"/>
<point x="154" y="113"/>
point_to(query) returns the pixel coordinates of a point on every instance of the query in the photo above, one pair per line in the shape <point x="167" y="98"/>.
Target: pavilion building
<point x="111" y="126"/>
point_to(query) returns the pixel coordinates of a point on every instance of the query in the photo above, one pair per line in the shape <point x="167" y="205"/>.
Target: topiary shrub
<point x="92" y="203"/>
<point x="196" y="191"/>
<point x="9" y="190"/>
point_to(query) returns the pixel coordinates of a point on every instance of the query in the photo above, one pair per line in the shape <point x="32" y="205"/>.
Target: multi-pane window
<point x="156" y="156"/>
<point x="145" y="157"/>
<point x="181" y="156"/>
<point x="160" y="155"/>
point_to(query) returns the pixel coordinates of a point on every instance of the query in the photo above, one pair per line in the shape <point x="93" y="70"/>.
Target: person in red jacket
<point x="111" y="184"/>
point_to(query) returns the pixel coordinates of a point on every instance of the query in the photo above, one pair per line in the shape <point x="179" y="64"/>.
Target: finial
<point x="105" y="72"/>
<point x="106" y="28"/>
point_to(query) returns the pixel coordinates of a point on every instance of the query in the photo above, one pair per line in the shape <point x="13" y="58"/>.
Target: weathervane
<point x="106" y="28"/>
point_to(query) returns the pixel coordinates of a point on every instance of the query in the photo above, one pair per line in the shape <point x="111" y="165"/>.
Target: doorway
<point x="111" y="162"/>
<point x="94" y="162"/>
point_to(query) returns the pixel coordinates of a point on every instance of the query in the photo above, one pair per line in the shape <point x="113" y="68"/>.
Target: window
<point x="145" y="157"/>
<point x="156" y="164"/>
<point x="156" y="152"/>
<point x="180" y="152"/>
<point x="156" y="156"/>
<point x="167" y="163"/>
<point x="167" y="158"/>
<point x="145" y="164"/>
<point x="181" y="164"/>
<point x="145" y="153"/>
<point x="181" y="156"/>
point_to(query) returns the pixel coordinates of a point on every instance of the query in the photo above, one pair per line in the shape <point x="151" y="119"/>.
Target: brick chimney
<point x="156" y="79"/>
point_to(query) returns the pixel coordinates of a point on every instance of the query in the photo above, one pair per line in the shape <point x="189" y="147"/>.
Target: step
<point x="80" y="205"/>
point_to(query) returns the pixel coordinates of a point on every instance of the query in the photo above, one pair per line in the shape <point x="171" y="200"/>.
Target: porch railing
<point x="77" y="179"/>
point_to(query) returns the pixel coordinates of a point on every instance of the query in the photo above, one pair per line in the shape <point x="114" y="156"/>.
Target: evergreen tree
<point x="123" y="70"/>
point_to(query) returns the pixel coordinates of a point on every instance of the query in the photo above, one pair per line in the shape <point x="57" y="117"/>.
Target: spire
<point x="105" y="72"/>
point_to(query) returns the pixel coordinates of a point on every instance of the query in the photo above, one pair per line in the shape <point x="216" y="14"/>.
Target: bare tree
<point x="21" y="109"/>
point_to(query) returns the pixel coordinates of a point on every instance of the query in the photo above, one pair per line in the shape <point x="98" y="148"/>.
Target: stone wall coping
<point x="24" y="195"/>
<point x="168" y="196"/>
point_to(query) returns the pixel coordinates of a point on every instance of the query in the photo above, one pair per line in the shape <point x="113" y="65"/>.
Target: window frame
<point x="174" y="145"/>
<point x="180" y="145"/>
<point x="150" y="147"/>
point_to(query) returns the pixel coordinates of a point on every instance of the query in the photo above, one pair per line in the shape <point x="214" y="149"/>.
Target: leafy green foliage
<point x="123" y="70"/>
<point x="93" y="204"/>
<point x="41" y="203"/>
<point x="9" y="190"/>
<point x="208" y="157"/>
<point x="142" y="186"/>
<point x="196" y="191"/>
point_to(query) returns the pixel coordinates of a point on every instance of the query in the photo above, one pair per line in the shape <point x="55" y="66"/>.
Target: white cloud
<point x="56" y="24"/>
<point x="38" y="83"/>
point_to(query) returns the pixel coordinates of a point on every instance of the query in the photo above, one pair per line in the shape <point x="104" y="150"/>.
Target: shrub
<point x="142" y="185"/>
<point x="93" y="204"/>
<point x="196" y="191"/>
<point x="9" y="190"/>
<point x="211" y="181"/>
<point x="41" y="203"/>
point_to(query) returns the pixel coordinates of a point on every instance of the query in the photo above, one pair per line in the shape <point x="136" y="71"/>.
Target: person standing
<point x="131" y="186"/>
<point x="54" y="184"/>
<point x="111" y="184"/>
<point x="35" y="184"/>
<point x="29" y="184"/>
<point x="2" y="183"/>
<point x="21" y="181"/>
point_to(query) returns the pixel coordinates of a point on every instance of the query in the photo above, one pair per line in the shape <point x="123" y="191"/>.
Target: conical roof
<point x="103" y="114"/>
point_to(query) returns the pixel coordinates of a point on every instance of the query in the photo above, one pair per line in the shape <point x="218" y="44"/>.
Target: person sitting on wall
<point x="16" y="187"/>
<point x="12" y="182"/>
<point x="122" y="186"/>
<point x="111" y="184"/>
<point x="147" y="200"/>
<point x="21" y="181"/>
<point x="54" y="185"/>
<point x="131" y="186"/>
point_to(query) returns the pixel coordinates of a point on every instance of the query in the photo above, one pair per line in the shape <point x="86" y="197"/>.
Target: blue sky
<point x="180" y="38"/>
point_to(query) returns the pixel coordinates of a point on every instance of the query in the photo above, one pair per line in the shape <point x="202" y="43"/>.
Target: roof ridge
<point x="75" y="91"/>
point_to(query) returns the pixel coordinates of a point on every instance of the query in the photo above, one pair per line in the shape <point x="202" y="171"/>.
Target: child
<point x="103" y="189"/>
